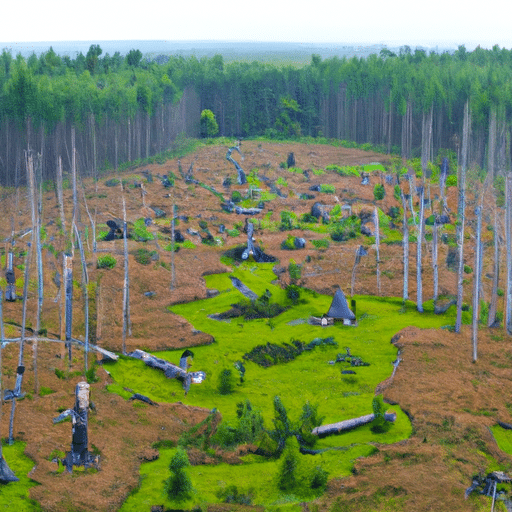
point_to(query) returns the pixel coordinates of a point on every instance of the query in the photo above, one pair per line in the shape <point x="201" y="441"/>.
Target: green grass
<point x="503" y="438"/>
<point x="15" y="496"/>
<point x="309" y="377"/>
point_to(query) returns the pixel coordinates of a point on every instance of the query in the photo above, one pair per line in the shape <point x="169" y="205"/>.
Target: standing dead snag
<point x="79" y="454"/>
<point x="377" y="244"/>
<point x="6" y="473"/>
<point x="68" y="286"/>
<point x="405" y="244"/>
<point x="476" y="287"/>
<point x="10" y="277"/>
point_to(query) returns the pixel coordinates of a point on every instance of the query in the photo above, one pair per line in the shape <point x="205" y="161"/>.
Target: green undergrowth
<point x="503" y="438"/>
<point x="15" y="495"/>
<point x="311" y="376"/>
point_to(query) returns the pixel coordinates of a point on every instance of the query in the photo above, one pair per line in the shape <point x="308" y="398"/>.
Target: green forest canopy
<point x="382" y="99"/>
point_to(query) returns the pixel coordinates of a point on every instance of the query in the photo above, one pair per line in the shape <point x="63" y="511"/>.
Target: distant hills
<point x="230" y="50"/>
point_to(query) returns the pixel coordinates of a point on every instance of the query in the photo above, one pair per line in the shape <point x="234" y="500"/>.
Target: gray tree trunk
<point x="476" y="282"/>
<point x="68" y="288"/>
<point x="461" y="215"/>
<point x="405" y="245"/>
<point x="493" y="306"/>
<point x="435" y="266"/>
<point x="377" y="246"/>
<point x="508" y="235"/>
<point x="419" y="242"/>
<point x="6" y="474"/>
<point x="60" y="195"/>
<point x="85" y="288"/>
<point x="126" y="287"/>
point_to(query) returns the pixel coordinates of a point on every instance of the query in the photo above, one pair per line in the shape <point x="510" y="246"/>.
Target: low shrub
<point x="327" y="189"/>
<point x="107" y="261"/>
<point x="379" y="192"/>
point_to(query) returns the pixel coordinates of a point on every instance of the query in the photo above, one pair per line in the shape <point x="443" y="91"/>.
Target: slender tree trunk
<point x="476" y="283"/>
<point x="419" y="280"/>
<point x="491" y="145"/>
<point x="405" y="244"/>
<point x="435" y="266"/>
<point x="493" y="306"/>
<point x="73" y="174"/>
<point x="68" y="288"/>
<point x="126" y="287"/>
<point x="461" y="216"/>
<point x="377" y="244"/>
<point x="85" y="288"/>
<point x="173" y="266"/>
<point x="508" y="235"/>
<point x="60" y="195"/>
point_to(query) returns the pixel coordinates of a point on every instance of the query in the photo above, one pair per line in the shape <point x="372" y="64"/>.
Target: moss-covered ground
<point x="312" y="377"/>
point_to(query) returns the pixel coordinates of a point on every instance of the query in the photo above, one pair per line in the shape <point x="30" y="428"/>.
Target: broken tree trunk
<point x="435" y="266"/>
<point x="10" y="293"/>
<point x="241" y="179"/>
<point x="6" y="473"/>
<point x="336" y="428"/>
<point x="79" y="454"/>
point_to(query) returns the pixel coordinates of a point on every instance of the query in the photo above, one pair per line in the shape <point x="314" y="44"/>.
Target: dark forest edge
<point x="129" y="108"/>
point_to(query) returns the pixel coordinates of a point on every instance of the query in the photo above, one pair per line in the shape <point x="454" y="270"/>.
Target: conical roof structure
<point x="339" y="307"/>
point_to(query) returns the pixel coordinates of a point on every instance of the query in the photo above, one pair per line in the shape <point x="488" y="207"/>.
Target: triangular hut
<point x="339" y="310"/>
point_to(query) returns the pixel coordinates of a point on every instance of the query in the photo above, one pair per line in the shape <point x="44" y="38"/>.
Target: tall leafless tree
<point x="461" y="215"/>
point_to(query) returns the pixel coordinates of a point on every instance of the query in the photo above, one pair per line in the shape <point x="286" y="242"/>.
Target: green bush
<point x="327" y="189"/>
<point x="236" y="197"/>
<point x="107" y="261"/>
<point x="293" y="293"/>
<point x="318" y="478"/>
<point x="323" y="243"/>
<point x="287" y="476"/>
<point x="143" y="256"/>
<point x="468" y="269"/>
<point x="140" y="231"/>
<point x="379" y="192"/>
<point x="346" y="229"/>
<point x="226" y="382"/>
<point x="308" y="218"/>
<point x="379" y="425"/>
<point x="451" y="180"/>
<point x="288" y="244"/>
<point x="233" y="232"/>
<point x="178" y="485"/>
<point x="396" y="192"/>
<point x="288" y="220"/>
<point x="294" y="270"/>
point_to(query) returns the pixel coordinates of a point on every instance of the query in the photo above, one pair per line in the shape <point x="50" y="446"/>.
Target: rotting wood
<point x="341" y="426"/>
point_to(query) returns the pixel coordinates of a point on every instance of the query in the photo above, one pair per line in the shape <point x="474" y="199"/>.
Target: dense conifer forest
<point x="126" y="108"/>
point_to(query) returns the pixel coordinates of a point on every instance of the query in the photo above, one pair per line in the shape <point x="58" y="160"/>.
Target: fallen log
<point x="336" y="428"/>
<point x="170" y="370"/>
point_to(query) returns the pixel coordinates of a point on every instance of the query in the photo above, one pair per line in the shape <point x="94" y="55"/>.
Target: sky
<point x="391" y="22"/>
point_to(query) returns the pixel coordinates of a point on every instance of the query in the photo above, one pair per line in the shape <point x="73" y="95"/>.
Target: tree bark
<point x="493" y="306"/>
<point x="85" y="288"/>
<point x="377" y="243"/>
<point x="476" y="283"/>
<point x="405" y="244"/>
<point x="419" y="242"/>
<point x="461" y="216"/>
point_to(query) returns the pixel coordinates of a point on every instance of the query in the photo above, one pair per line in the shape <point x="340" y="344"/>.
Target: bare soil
<point x="444" y="393"/>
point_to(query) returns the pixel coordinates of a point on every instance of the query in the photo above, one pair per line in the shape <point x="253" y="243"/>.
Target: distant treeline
<point x="127" y="107"/>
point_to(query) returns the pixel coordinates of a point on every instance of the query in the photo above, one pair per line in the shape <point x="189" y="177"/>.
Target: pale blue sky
<point x="392" y="22"/>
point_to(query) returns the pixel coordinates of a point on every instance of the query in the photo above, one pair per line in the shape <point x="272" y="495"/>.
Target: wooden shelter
<point x="339" y="310"/>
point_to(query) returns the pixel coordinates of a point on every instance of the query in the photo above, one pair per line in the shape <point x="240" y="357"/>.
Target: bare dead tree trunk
<point x="405" y="245"/>
<point x="126" y="287"/>
<point x="68" y="287"/>
<point x="6" y="474"/>
<point x="73" y="174"/>
<point x="60" y="195"/>
<point x="39" y="259"/>
<point x="435" y="266"/>
<point x="377" y="244"/>
<point x="419" y="242"/>
<point x="173" y="267"/>
<point x="85" y="288"/>
<point x="461" y="216"/>
<point x="508" y="235"/>
<point x="476" y="282"/>
<point x="493" y="306"/>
